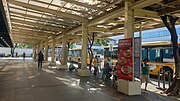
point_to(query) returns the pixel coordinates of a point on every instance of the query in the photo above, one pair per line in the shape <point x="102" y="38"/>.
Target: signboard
<point x="137" y="57"/>
<point x="125" y="59"/>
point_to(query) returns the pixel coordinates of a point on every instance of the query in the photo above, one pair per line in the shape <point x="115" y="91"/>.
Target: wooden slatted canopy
<point x="30" y="19"/>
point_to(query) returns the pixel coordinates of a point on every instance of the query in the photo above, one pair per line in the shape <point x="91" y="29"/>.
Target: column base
<point x="52" y="63"/>
<point x="85" y="72"/>
<point x="63" y="67"/>
<point x="129" y="87"/>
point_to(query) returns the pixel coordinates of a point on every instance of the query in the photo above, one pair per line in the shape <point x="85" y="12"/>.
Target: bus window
<point x="144" y="53"/>
<point x="155" y="54"/>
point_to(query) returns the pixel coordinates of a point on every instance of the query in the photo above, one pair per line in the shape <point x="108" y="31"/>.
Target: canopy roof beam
<point x="22" y="26"/>
<point x="58" y="13"/>
<point x="54" y="29"/>
<point x="82" y="4"/>
<point x="31" y="32"/>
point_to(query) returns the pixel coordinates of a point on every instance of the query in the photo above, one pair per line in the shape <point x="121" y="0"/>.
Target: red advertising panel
<point x="125" y="65"/>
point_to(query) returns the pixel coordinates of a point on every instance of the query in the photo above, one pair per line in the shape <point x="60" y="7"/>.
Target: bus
<point x="159" y="54"/>
<point x="75" y="53"/>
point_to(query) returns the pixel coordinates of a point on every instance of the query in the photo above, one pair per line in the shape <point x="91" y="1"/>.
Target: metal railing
<point x="162" y="77"/>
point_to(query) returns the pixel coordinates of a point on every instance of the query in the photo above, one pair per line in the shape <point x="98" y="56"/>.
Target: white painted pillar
<point x="46" y="51"/>
<point x="84" y="46"/>
<point x="129" y="20"/>
<point x="34" y="52"/>
<point x="53" y="49"/>
<point x="64" y="50"/>
<point x="38" y="49"/>
<point x="53" y="62"/>
<point x="84" y="71"/>
<point x="64" y="53"/>
<point x="41" y="47"/>
<point x="126" y="86"/>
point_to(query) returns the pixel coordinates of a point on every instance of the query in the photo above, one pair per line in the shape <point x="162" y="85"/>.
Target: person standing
<point x="99" y="64"/>
<point x="145" y="73"/>
<point x="24" y="55"/>
<point x="40" y="59"/>
<point x="95" y="64"/>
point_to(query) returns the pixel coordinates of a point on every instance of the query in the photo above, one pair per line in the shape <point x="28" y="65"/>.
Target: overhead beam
<point x="27" y="35"/>
<point x="120" y="11"/>
<point x="77" y="29"/>
<point x="66" y="20"/>
<point x="169" y="11"/>
<point x="140" y="13"/>
<point x="31" y="32"/>
<point x="114" y="21"/>
<point x="144" y="3"/>
<point x="27" y="27"/>
<point x="42" y="18"/>
<point x="37" y="24"/>
<point x="108" y="16"/>
<point x="96" y="29"/>
<point x="73" y="36"/>
<point x="82" y="4"/>
<point x="58" y="13"/>
<point x="83" y="12"/>
<point x="25" y="40"/>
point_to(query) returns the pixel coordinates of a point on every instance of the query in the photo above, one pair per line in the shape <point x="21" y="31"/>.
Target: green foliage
<point x="102" y="41"/>
<point x="20" y="45"/>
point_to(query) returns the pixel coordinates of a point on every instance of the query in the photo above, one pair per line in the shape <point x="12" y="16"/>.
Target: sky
<point x="143" y="32"/>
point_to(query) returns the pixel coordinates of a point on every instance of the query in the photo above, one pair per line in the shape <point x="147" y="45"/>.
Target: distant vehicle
<point x="75" y="54"/>
<point x="159" y="54"/>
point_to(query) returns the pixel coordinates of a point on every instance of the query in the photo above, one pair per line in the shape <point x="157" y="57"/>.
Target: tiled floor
<point x="23" y="81"/>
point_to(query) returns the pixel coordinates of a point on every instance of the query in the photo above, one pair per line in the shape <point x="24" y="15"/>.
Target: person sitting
<point x="107" y="70"/>
<point x="114" y="77"/>
<point x="71" y="66"/>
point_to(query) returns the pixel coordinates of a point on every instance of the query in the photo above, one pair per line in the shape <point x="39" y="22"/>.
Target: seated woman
<point x="71" y="66"/>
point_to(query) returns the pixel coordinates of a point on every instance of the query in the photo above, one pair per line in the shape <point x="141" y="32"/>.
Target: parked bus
<point x="159" y="54"/>
<point x="75" y="53"/>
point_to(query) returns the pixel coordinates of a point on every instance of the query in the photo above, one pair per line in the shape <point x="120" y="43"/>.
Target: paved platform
<point x="23" y="81"/>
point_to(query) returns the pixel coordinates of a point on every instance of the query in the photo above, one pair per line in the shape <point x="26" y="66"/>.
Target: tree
<point x="170" y="25"/>
<point x="13" y="49"/>
<point x="102" y="41"/>
<point x="20" y="45"/>
<point x="91" y="42"/>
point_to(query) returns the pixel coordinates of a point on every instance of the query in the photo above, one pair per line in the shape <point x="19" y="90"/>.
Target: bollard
<point x="159" y="79"/>
<point x="164" y="78"/>
<point x="169" y="78"/>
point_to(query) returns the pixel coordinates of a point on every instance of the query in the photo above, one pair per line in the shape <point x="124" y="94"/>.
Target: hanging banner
<point x="125" y="60"/>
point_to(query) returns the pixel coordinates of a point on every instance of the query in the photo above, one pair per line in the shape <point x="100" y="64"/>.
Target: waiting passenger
<point x="24" y="55"/>
<point x="99" y="64"/>
<point x="71" y="66"/>
<point x="40" y="59"/>
<point x="95" y="64"/>
<point x="79" y="63"/>
<point x="145" y="72"/>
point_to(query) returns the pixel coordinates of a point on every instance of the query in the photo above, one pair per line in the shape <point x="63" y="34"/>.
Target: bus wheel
<point x="166" y="68"/>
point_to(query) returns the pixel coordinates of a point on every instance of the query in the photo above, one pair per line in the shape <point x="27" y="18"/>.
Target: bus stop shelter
<point x="59" y="22"/>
